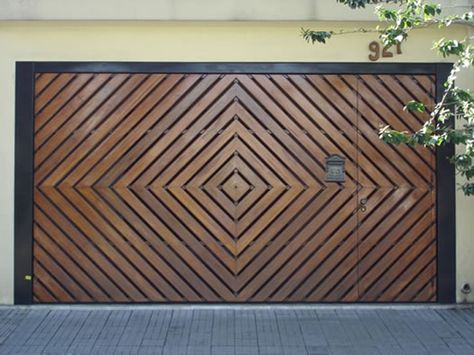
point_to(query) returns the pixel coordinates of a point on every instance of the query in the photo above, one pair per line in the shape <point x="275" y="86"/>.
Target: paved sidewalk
<point x="236" y="330"/>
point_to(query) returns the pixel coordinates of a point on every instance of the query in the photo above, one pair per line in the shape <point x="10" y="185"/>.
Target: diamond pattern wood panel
<point x="210" y="188"/>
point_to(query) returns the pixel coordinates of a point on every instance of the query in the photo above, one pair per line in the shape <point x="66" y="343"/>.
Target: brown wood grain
<point x="211" y="188"/>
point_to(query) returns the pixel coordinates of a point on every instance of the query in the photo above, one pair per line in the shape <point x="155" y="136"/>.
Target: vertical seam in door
<point x="358" y="185"/>
<point x="434" y="198"/>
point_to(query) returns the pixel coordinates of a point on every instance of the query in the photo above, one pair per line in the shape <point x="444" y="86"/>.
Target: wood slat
<point x="58" y="84"/>
<point x="211" y="188"/>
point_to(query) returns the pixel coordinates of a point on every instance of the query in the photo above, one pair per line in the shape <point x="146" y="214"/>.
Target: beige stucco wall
<point x="185" y="41"/>
<point x="223" y="10"/>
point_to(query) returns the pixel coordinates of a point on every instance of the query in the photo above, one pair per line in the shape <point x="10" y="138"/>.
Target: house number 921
<point x="377" y="51"/>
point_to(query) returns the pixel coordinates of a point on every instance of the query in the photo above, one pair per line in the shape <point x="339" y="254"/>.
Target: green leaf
<point x="449" y="47"/>
<point x="354" y="4"/>
<point x="462" y="161"/>
<point x="414" y="106"/>
<point x="431" y="10"/>
<point x="316" y="36"/>
<point x="392" y="36"/>
<point x="468" y="189"/>
<point x="393" y="137"/>
<point x="386" y="15"/>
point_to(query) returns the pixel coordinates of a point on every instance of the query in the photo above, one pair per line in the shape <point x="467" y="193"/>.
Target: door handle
<point x="362" y="206"/>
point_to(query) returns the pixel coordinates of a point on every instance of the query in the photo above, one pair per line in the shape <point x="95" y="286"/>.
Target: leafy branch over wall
<point x="457" y="104"/>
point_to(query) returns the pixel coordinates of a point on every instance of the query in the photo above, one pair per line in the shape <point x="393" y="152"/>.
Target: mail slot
<point x="335" y="168"/>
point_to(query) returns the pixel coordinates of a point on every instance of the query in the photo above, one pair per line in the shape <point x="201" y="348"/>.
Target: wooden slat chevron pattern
<point x="210" y="188"/>
<point x="397" y="234"/>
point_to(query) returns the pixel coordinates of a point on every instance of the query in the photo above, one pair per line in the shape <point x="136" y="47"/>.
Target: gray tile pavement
<point x="237" y="330"/>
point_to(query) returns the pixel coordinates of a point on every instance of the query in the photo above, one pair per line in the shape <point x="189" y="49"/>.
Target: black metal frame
<point x="24" y="153"/>
<point x="24" y="147"/>
<point x="446" y="208"/>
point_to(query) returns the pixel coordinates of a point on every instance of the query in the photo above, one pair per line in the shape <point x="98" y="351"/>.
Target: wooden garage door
<point x="211" y="188"/>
